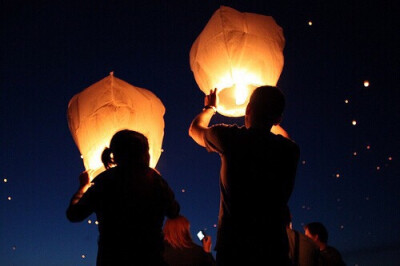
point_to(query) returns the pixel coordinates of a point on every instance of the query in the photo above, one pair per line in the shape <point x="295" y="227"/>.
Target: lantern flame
<point x="241" y="94"/>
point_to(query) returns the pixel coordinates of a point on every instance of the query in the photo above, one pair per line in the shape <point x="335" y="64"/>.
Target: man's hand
<point x="200" y="123"/>
<point x="211" y="99"/>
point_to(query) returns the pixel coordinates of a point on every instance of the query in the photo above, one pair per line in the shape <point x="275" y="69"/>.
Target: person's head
<point x="317" y="232"/>
<point x="127" y="147"/>
<point x="265" y="107"/>
<point x="177" y="232"/>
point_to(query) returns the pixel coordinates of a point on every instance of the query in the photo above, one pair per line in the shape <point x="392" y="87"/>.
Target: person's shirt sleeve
<point x="172" y="207"/>
<point x="291" y="168"/>
<point x="216" y="136"/>
<point x="83" y="208"/>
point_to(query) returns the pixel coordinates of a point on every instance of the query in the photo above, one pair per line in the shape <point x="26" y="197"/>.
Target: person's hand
<point x="200" y="123"/>
<point x="211" y="99"/>
<point x="84" y="181"/>
<point x="207" y="243"/>
<point x="84" y="185"/>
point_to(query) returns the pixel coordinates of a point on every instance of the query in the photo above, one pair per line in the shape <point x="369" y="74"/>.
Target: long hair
<point x="177" y="232"/>
<point x="127" y="147"/>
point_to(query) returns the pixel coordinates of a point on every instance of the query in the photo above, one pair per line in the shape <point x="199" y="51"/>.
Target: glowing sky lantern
<point x="235" y="53"/>
<point x="109" y="105"/>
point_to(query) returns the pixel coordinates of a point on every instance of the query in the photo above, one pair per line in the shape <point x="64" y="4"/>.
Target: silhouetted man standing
<point x="257" y="176"/>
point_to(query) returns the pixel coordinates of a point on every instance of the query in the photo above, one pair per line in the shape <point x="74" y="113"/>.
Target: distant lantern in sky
<point x="235" y="53"/>
<point x="99" y="111"/>
<point x="366" y="83"/>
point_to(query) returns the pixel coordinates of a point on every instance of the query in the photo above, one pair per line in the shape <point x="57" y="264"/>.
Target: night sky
<point x="348" y="176"/>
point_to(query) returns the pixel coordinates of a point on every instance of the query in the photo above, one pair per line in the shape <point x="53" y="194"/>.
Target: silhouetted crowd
<point x="139" y="218"/>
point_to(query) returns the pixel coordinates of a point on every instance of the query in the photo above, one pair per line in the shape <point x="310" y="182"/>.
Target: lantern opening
<point x="235" y="98"/>
<point x="241" y="94"/>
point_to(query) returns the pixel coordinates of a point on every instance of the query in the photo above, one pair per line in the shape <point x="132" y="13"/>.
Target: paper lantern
<point x="99" y="111"/>
<point x="235" y="53"/>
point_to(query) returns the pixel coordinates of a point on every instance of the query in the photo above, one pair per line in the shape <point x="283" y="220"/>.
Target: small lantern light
<point x="235" y="53"/>
<point x="98" y="112"/>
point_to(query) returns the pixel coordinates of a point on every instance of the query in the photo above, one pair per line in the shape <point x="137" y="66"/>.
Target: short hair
<point x="317" y="228"/>
<point x="267" y="103"/>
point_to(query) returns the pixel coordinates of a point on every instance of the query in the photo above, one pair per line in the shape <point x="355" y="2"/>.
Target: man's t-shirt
<point x="257" y="176"/>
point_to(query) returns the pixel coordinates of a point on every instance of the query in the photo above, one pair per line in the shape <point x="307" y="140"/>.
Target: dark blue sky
<point x="51" y="50"/>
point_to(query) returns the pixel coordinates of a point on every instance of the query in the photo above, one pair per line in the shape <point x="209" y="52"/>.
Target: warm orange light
<point x="366" y="83"/>
<point x="235" y="53"/>
<point x="278" y="130"/>
<point x="99" y="111"/>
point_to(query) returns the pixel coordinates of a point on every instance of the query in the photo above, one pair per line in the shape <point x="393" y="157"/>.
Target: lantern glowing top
<point x="98" y="112"/>
<point x="235" y="53"/>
